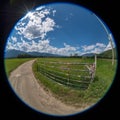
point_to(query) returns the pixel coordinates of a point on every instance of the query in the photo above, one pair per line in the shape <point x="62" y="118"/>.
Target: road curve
<point x="28" y="89"/>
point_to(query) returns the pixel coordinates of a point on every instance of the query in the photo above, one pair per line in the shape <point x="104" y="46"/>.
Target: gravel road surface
<point x="28" y="89"/>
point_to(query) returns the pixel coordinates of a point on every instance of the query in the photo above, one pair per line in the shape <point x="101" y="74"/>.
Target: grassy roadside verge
<point x="11" y="64"/>
<point x="65" y="94"/>
<point x="79" y="98"/>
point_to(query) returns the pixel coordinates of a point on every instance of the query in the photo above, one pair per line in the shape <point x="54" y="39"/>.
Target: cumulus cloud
<point x="42" y="46"/>
<point x="14" y="39"/>
<point x="9" y="46"/>
<point x="54" y="11"/>
<point x="66" y="50"/>
<point x="101" y="45"/>
<point x="88" y="48"/>
<point x="36" y="24"/>
<point x="96" y="48"/>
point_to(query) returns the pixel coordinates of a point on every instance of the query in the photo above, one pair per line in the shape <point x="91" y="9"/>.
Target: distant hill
<point x="107" y="54"/>
<point x="18" y="53"/>
<point x="88" y="55"/>
<point x="38" y="54"/>
<point x="13" y="53"/>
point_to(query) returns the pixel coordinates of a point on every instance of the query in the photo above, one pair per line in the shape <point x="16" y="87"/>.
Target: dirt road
<point x="25" y="85"/>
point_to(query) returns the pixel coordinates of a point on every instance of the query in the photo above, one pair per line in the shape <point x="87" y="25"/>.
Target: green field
<point x="64" y="91"/>
<point x="11" y="64"/>
<point x="67" y="71"/>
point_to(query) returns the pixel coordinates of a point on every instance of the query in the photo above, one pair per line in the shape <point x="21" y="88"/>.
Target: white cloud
<point x="96" y="48"/>
<point x="47" y="26"/>
<point x="14" y="39"/>
<point x="100" y="45"/>
<point x="88" y="48"/>
<point x="9" y="45"/>
<point x="42" y="46"/>
<point x="66" y="50"/>
<point x="54" y="11"/>
<point x="36" y="24"/>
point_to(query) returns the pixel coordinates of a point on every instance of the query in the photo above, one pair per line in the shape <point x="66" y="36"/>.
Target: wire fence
<point x="72" y="74"/>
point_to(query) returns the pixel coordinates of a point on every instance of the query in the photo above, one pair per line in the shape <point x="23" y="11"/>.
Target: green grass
<point x="11" y="64"/>
<point x="66" y="71"/>
<point x="77" y="97"/>
<point x="97" y="89"/>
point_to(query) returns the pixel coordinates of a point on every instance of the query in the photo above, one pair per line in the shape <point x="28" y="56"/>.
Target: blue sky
<point x="60" y="28"/>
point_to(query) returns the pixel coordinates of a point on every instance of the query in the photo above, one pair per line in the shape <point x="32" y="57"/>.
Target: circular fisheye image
<point x="60" y="59"/>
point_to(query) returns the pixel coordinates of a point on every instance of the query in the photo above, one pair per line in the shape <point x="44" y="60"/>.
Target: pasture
<point x="69" y="80"/>
<point x="65" y="78"/>
<point x="13" y="63"/>
<point x="71" y="72"/>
